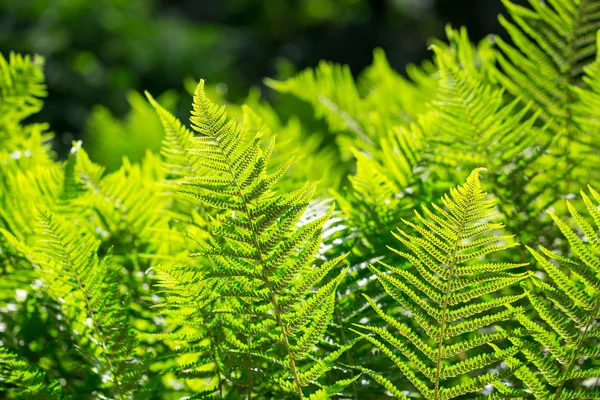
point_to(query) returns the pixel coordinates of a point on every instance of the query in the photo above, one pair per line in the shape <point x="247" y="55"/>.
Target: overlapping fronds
<point x="586" y="109"/>
<point x="358" y="120"/>
<point x="471" y="124"/>
<point x="314" y="160"/>
<point x="331" y="90"/>
<point x="21" y="91"/>
<point x="566" y="299"/>
<point x="392" y="95"/>
<point x="20" y="380"/>
<point x="264" y="308"/>
<point x="453" y="293"/>
<point x="586" y="115"/>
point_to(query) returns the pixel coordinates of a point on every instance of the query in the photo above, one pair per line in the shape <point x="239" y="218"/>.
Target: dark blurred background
<point x="97" y="51"/>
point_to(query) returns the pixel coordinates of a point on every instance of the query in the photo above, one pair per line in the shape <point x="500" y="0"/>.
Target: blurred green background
<point x="97" y="52"/>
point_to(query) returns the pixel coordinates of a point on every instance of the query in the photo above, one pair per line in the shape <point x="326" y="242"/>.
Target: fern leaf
<point x="452" y="245"/>
<point x="259" y="232"/>
<point x="567" y="304"/>
<point x="24" y="381"/>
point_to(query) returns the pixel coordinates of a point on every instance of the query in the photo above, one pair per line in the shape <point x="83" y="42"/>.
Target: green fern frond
<point x="177" y="160"/>
<point x="90" y="297"/>
<point x="471" y="123"/>
<point x="552" y="44"/>
<point x="567" y="303"/>
<point x="21" y="86"/>
<point x="23" y="381"/>
<point x="261" y="255"/>
<point x="449" y="309"/>
<point x="314" y="158"/>
<point x="189" y="299"/>
<point x="588" y="97"/>
<point x="331" y="89"/>
<point x="393" y="95"/>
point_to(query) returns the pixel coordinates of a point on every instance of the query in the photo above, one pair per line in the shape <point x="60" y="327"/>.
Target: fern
<point x="471" y="124"/>
<point x="451" y="296"/>
<point x="567" y="302"/>
<point x="556" y="40"/>
<point x="260" y="256"/>
<point x="21" y="86"/>
<point x="90" y="298"/>
<point x="23" y="381"/>
<point x="210" y="268"/>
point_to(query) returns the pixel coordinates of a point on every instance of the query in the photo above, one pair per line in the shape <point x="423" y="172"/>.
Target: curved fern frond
<point x="452" y="293"/>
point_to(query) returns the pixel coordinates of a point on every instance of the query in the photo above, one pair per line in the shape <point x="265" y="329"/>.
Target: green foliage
<point x="24" y="380"/>
<point x="567" y="302"/>
<point x="451" y="290"/>
<point x="217" y="266"/>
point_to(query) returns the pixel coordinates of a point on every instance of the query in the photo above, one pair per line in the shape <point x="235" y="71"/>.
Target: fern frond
<point x="176" y="145"/>
<point x="23" y="381"/>
<point x="21" y="86"/>
<point x="552" y="44"/>
<point x="89" y="293"/>
<point x="261" y="254"/>
<point x="567" y="304"/>
<point x="449" y="310"/>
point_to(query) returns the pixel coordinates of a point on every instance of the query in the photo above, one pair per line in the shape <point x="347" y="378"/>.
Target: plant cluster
<point x="250" y="258"/>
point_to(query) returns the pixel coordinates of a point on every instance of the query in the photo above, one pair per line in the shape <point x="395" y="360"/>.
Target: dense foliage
<point x="439" y="239"/>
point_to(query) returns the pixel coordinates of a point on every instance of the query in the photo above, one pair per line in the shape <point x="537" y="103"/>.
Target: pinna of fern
<point x="454" y="292"/>
<point x="261" y="259"/>
<point x="565" y="296"/>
